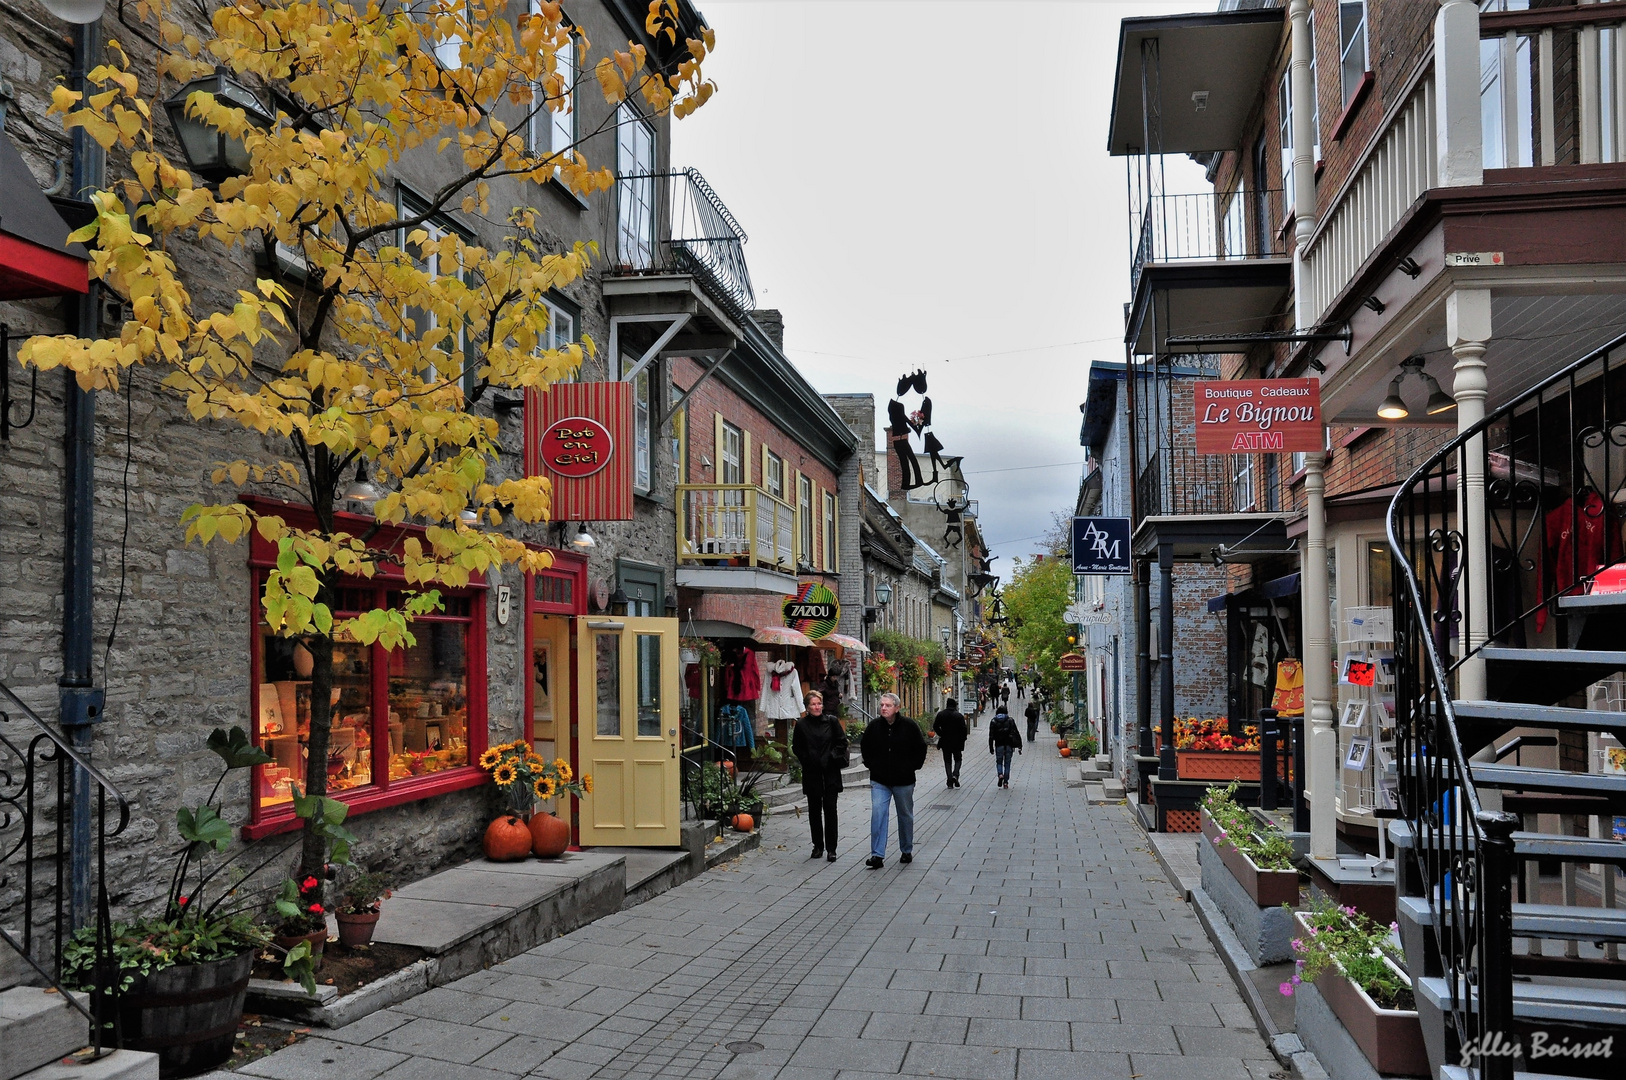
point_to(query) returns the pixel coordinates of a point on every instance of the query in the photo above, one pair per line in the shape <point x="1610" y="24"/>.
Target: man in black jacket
<point x="893" y="749"/>
<point x="952" y="732"/>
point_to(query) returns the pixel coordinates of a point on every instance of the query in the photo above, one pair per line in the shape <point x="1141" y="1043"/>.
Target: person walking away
<point x="893" y="750"/>
<point x="1004" y="695"/>
<point x="952" y="732"/>
<point x="1003" y="741"/>
<point x="1021" y="687"/>
<point x="1032" y="713"/>
<point x="820" y="744"/>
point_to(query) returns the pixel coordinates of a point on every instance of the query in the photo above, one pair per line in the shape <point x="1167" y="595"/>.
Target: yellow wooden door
<point x="627" y="731"/>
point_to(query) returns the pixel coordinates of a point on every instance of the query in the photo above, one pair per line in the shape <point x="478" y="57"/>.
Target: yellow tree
<point x="376" y="361"/>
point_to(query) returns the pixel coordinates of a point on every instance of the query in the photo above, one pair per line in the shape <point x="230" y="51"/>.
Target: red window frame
<point x="382" y="793"/>
<point x="569" y="567"/>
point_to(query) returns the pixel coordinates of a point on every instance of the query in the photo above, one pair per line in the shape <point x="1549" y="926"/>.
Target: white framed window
<point x="1353" y="61"/>
<point x="1506" y="102"/>
<point x="804" y="517"/>
<point x="427" y="257"/>
<point x="829" y="531"/>
<point x="773" y="474"/>
<point x="1242" y="481"/>
<point x="1284" y="109"/>
<point x="553" y="130"/>
<point x="1234" y="225"/>
<point x="635" y="189"/>
<point x="730" y="455"/>
<point x="641" y="471"/>
<point x="448" y="53"/>
<point x="1300" y="458"/>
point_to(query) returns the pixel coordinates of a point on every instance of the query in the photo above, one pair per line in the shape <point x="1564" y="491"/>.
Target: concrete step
<point x="784" y="797"/>
<point x="37" y="1027"/>
<point x="116" y="1065"/>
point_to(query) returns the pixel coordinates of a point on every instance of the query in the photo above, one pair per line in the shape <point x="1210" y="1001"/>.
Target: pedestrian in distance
<point x="952" y="732"/>
<point x="1003" y="741"/>
<point x="1032" y="713"/>
<point x="1004" y="696"/>
<point x="893" y="750"/>
<point x="1021" y="687"/>
<point x="820" y="744"/>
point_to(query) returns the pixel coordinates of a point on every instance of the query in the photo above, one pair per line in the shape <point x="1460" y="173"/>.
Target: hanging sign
<point x="1252" y="416"/>
<point x="579" y="436"/>
<point x="1100" y="545"/>
<point x="1072" y="661"/>
<point x="813" y="611"/>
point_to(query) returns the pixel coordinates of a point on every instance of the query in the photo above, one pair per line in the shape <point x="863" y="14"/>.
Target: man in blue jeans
<point x="893" y="750"/>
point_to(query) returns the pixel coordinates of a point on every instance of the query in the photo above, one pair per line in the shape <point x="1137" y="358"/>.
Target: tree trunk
<point x="313" y="851"/>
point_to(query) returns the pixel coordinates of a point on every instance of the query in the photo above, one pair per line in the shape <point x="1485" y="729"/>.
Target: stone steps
<point x="37" y="1027"/>
<point x="791" y="794"/>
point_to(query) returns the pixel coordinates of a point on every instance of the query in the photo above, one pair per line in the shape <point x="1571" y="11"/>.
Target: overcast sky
<point x="925" y="184"/>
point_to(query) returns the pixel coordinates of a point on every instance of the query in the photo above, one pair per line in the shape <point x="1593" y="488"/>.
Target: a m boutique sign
<point x="1253" y="416"/>
<point x="1101" y="545"/>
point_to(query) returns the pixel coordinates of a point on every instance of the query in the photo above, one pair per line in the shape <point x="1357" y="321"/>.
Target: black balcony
<point x="1218" y="226"/>
<point x="673" y="223"/>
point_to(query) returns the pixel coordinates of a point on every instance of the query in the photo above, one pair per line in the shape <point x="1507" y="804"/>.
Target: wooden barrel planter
<point x="187" y="1015"/>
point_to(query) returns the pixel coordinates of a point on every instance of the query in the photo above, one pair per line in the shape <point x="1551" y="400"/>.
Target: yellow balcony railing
<point x="736" y="525"/>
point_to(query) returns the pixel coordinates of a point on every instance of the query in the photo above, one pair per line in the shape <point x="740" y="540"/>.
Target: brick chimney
<point x="772" y="324"/>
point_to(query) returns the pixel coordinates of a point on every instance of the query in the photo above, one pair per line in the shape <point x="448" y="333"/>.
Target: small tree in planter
<point x="1356" y="965"/>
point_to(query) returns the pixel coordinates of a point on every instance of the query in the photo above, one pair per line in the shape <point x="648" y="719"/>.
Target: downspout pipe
<point x="80" y="700"/>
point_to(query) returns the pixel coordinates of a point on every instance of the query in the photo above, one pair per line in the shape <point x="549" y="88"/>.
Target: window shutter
<point x="717" y="449"/>
<point x="835" y="532"/>
<point x="793" y="495"/>
<point x="764" y="466"/>
<point x="745" y="457"/>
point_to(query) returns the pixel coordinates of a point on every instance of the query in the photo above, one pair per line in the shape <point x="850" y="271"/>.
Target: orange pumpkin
<point x="550" y="836"/>
<point x="744" y="823"/>
<point x="728" y="767"/>
<point x="1061" y="744"/>
<point x="1066" y="751"/>
<point x="508" y="839"/>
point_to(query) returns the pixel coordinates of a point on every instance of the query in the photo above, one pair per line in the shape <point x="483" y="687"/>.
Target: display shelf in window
<point x="1366" y="715"/>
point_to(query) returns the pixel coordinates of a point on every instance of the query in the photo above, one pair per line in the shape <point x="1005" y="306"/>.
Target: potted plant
<point x="1207" y="750"/>
<point x="1355" y="965"/>
<point x="524" y="777"/>
<point x="180" y="976"/>
<point x="360" y="902"/>
<point x="1084" y="746"/>
<point x="1258" y="856"/>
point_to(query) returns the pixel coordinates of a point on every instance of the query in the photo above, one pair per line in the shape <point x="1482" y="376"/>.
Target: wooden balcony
<point x="726" y="529"/>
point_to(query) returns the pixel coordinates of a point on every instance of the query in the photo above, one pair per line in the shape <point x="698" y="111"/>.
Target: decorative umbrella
<point x="782" y="635"/>
<point x="845" y="642"/>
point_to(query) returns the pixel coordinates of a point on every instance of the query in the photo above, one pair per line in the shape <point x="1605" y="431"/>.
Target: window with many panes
<point x="641" y="430"/>
<point x="804" y="517"/>
<point x="1352" y="45"/>
<point x="829" y="531"/>
<point x="552" y="127"/>
<point x="428" y="256"/>
<point x="635" y="189"/>
<point x="773" y="474"/>
<point x="730" y="455"/>
<point x="1242" y="481"/>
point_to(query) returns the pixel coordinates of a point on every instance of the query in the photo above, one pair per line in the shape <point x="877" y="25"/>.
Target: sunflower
<point x="543" y="787"/>
<point x="489" y="759"/>
<point x="562" y="767"/>
<point x="504" y="773"/>
<point x="587" y="784"/>
<point x="534" y="762"/>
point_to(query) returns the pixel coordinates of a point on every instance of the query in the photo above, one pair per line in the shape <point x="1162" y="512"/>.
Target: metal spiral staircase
<point x="1506" y="899"/>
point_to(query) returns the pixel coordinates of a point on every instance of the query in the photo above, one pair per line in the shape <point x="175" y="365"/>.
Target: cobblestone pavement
<point x="1033" y="936"/>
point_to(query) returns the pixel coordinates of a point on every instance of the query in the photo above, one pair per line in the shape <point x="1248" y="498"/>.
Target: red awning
<point x="35" y="256"/>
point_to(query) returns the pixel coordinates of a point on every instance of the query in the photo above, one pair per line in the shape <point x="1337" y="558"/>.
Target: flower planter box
<point x="1264" y="929"/>
<point x="1218" y="764"/>
<point x="1390" y="1040"/>
<point x="1267" y="888"/>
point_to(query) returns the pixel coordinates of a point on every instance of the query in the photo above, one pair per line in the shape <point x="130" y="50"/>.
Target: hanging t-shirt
<point x="1288" y="700"/>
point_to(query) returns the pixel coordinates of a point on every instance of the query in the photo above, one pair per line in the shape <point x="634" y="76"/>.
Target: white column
<point x="1321" y="755"/>
<point x="1456" y="86"/>
<point x="1467" y="329"/>
<point x="1304" y="140"/>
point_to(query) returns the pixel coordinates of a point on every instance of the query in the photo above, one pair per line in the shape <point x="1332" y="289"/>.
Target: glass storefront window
<point x="649" y="684"/>
<point x="428" y="701"/>
<point x="284" y="719"/>
<point x="607" y="655"/>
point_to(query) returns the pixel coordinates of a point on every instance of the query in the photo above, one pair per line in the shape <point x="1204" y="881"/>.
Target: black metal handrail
<point x="21" y="807"/>
<point x="1208" y="226"/>
<point x="1548" y="456"/>
<point x="673" y="222"/>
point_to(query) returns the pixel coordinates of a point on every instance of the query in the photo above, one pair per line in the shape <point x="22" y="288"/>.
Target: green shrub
<point x="1264" y="844"/>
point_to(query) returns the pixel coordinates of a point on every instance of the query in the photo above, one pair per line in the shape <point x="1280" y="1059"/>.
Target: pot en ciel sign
<point x="1250" y="416"/>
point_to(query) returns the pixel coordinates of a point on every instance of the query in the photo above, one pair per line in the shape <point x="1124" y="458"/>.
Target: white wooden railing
<point x="1399" y="165"/>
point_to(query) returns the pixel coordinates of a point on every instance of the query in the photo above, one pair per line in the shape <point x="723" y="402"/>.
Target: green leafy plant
<point x="1084" y="746"/>
<point x="1345" y="940"/>
<point x="364" y="893"/>
<point x="710" y="655"/>
<point x="1264" y="844"/>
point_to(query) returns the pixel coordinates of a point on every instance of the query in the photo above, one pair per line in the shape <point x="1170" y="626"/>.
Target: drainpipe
<point x="80" y="701"/>
<point x="1304" y="140"/>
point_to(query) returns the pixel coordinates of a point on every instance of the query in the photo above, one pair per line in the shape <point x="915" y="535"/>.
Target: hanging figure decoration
<point x="898" y="430"/>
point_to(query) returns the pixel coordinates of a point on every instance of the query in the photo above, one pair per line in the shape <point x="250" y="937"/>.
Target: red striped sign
<point x="604" y="493"/>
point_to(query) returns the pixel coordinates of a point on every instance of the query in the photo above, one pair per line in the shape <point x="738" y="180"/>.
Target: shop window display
<point x="401" y="718"/>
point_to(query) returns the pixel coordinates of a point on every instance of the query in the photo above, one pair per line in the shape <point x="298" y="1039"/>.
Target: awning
<point x="35" y="256"/>
<point x="1211" y="69"/>
<point x="1287" y="585"/>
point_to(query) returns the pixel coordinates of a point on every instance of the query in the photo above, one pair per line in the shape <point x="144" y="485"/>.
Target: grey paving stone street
<point x="1033" y="936"/>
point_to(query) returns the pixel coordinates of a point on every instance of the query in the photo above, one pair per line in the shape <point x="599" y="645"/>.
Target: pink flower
<point x="1296" y="980"/>
<point x="1298" y="944"/>
<point x="1349" y="911"/>
<point x="1395" y="927"/>
<point x="1287" y="989"/>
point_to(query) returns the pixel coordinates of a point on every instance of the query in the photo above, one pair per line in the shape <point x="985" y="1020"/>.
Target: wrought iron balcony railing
<point x="673" y="222"/>
<point x="1215" y="226"/>
<point x="736" y="525"/>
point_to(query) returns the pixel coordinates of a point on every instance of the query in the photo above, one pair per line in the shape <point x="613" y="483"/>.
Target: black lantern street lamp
<point x="883" y="593"/>
<point x="210" y="152"/>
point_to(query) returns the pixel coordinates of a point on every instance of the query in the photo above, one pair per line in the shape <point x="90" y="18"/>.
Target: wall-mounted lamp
<point x="1394" y="406"/>
<point x="883" y="593"/>
<point x="584" y="540"/>
<point x="1372" y="303"/>
<point x="671" y="605"/>
<point x="210" y="152"/>
<point x="362" y="489"/>
<point x="618" y="601"/>
<point x="1409" y="266"/>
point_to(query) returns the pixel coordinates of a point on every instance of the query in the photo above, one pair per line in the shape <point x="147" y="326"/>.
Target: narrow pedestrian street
<point x="1033" y="936"/>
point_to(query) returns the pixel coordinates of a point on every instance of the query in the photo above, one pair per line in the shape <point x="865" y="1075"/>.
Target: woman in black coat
<point x="820" y="744"/>
<point x="952" y="732"/>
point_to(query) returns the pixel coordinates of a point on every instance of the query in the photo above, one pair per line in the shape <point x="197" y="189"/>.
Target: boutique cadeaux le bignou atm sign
<point x="1253" y="416"/>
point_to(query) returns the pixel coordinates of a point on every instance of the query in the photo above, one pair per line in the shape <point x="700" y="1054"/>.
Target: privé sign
<point x="577" y="447"/>
<point x="1253" y="416"/>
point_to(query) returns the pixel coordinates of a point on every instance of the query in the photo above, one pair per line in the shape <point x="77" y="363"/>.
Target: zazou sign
<point x="1100" y="545"/>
